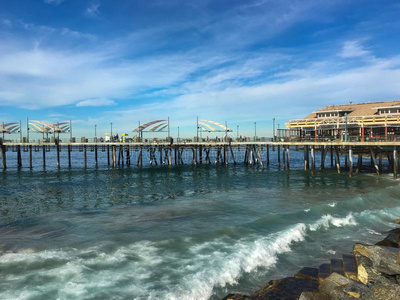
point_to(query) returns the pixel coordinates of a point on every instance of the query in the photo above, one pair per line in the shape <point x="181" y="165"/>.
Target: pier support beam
<point x="69" y="156"/>
<point x="373" y="158"/>
<point x="306" y="159"/>
<point x="19" y="159"/>
<point x="359" y="163"/>
<point x="288" y="157"/>
<point x="267" y="155"/>
<point x="312" y="159"/>
<point x="337" y="158"/>
<point x="233" y="156"/>
<point x="96" y="162"/>
<point x="30" y="157"/>
<point x="350" y="161"/>
<point x="58" y="154"/>
<point x="279" y="156"/>
<point x="3" y="155"/>
<point x="114" y="156"/>
<point x="395" y="163"/>
<point x="284" y="157"/>
<point x="108" y="154"/>
<point x="44" y="156"/>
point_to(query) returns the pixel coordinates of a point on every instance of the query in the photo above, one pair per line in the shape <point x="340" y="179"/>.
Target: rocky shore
<point x="368" y="272"/>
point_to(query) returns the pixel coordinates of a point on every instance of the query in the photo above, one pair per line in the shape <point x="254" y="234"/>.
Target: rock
<point x="357" y="290"/>
<point x="313" y="296"/>
<point x="332" y="281"/>
<point x="349" y="266"/>
<point x="384" y="259"/>
<point x="367" y="274"/>
<point x="392" y="239"/>
<point x="286" y="288"/>
<point x="397" y="221"/>
<point x="323" y="272"/>
<point x="385" y="292"/>
<point x="308" y="273"/>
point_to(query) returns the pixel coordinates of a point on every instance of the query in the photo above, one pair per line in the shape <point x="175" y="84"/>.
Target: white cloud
<point x="353" y="49"/>
<point x="96" y="102"/>
<point x="93" y="9"/>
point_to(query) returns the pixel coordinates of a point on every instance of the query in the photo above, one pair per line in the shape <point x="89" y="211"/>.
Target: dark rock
<point x="384" y="259"/>
<point x="350" y="266"/>
<point x="323" y="272"/>
<point x="337" y="266"/>
<point x="286" y="288"/>
<point x="392" y="240"/>
<point x="236" y="297"/>
<point x="308" y="273"/>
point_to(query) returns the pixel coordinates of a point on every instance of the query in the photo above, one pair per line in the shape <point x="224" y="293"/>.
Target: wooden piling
<point x="267" y="155"/>
<point x="233" y="156"/>
<point x="44" y="156"/>
<point x="58" y="154"/>
<point x="337" y="158"/>
<point x="69" y="156"/>
<point x="30" y="157"/>
<point x="284" y="157"/>
<point x="19" y="159"/>
<point x="395" y="163"/>
<point x="288" y="157"/>
<point x="306" y="158"/>
<point x="331" y="156"/>
<point x="200" y="154"/>
<point x="350" y="161"/>
<point x="373" y="158"/>
<point x="3" y="155"/>
<point x="96" y="162"/>
<point x="359" y="163"/>
<point x="279" y="156"/>
<point x="128" y="156"/>
<point x="108" y="154"/>
<point x="169" y="156"/>
<point x="312" y="159"/>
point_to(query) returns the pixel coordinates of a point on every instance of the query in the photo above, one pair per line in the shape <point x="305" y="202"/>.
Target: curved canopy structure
<point x="46" y="127"/>
<point x="148" y="126"/>
<point x="9" y="127"/>
<point x="206" y="126"/>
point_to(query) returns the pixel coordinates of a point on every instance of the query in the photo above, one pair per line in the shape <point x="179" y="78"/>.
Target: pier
<point x="342" y="156"/>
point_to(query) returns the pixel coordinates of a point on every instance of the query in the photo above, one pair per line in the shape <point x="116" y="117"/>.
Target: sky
<point x="97" y="62"/>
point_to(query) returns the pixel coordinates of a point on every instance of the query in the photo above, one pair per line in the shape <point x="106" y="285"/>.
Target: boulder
<point x="308" y="273"/>
<point x="397" y="221"/>
<point x="338" y="287"/>
<point x="367" y="274"/>
<point x="384" y="259"/>
<point x="332" y="281"/>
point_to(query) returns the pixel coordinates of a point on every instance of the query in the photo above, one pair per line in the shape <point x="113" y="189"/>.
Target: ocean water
<point x="181" y="232"/>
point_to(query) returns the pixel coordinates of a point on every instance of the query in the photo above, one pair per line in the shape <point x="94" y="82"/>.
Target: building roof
<point x="357" y="110"/>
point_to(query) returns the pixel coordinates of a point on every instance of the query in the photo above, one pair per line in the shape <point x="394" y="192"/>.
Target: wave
<point x="326" y="220"/>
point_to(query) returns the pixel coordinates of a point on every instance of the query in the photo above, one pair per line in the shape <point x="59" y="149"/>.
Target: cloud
<point x="93" y="10"/>
<point x="96" y="102"/>
<point x="353" y="49"/>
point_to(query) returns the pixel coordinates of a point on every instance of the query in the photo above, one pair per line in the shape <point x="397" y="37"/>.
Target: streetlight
<point x="112" y="139"/>
<point x="255" y="131"/>
<point x="273" y="129"/>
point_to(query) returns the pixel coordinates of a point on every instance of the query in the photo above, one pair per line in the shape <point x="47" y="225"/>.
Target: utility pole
<point x="273" y="129"/>
<point x="255" y="131"/>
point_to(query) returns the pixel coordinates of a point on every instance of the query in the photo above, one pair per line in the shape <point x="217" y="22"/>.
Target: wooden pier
<point x="257" y="154"/>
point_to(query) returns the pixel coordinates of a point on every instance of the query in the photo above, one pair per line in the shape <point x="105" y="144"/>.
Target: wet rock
<point x="384" y="259"/>
<point x="236" y="297"/>
<point x="308" y="273"/>
<point x="367" y="274"/>
<point x="392" y="239"/>
<point x="338" y="287"/>
<point x="286" y="288"/>
<point x="397" y="221"/>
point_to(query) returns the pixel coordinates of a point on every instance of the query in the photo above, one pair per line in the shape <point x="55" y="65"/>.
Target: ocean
<point x="180" y="232"/>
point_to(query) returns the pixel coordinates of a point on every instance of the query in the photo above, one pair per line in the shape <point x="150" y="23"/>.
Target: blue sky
<point x="97" y="62"/>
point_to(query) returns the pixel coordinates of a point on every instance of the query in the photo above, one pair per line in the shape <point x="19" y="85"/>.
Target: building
<point x="351" y="122"/>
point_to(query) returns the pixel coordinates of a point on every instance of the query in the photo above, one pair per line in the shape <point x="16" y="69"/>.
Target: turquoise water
<point x="182" y="232"/>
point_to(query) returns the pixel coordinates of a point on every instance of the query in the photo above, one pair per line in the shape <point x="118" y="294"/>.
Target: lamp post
<point x="112" y="139"/>
<point x="273" y="129"/>
<point x="255" y="131"/>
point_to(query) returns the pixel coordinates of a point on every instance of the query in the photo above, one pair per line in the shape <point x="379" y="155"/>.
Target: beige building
<point x="364" y="121"/>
